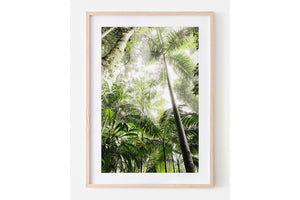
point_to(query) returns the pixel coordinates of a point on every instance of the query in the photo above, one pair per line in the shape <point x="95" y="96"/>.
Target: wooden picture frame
<point x="88" y="99"/>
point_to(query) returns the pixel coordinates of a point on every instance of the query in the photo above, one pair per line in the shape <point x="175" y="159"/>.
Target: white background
<point x="264" y="106"/>
<point x="221" y="134"/>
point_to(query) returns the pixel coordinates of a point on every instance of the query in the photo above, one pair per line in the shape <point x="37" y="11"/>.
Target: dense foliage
<point x="143" y="128"/>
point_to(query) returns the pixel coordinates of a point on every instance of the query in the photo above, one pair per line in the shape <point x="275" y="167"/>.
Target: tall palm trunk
<point x="165" y="157"/>
<point x="186" y="153"/>
<point x="116" y="53"/>
<point x="107" y="32"/>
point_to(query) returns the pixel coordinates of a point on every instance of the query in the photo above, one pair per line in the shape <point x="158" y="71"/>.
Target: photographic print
<point x="145" y="100"/>
<point x="150" y="100"/>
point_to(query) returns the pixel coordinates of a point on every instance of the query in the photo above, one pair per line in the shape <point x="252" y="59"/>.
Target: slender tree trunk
<point x="108" y="152"/>
<point x="116" y="170"/>
<point x="160" y="167"/>
<point x="178" y="165"/>
<point x="165" y="158"/>
<point x="107" y="32"/>
<point x="185" y="149"/>
<point x="116" y="53"/>
<point x="147" y="164"/>
<point x="173" y="163"/>
<point x="142" y="139"/>
<point x="142" y="158"/>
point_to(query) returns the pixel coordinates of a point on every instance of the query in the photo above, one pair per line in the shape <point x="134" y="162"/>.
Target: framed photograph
<point x="149" y="83"/>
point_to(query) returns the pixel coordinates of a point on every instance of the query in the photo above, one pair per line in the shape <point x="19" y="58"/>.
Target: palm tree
<point x="191" y="124"/>
<point x="115" y="54"/>
<point x="120" y="143"/>
<point x="107" y="32"/>
<point x="165" y="48"/>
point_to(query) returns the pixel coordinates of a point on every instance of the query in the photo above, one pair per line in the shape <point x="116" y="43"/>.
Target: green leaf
<point x="129" y="134"/>
<point x="179" y="39"/>
<point x="114" y="118"/>
<point x="138" y="141"/>
<point x="130" y="124"/>
<point x="136" y="130"/>
<point x="137" y="150"/>
<point x="109" y="114"/>
<point x="183" y="64"/>
<point x="119" y="127"/>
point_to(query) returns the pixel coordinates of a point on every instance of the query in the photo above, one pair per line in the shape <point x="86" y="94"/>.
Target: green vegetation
<point x="150" y="102"/>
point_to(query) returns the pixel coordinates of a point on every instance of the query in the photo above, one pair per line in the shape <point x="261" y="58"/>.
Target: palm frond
<point x="180" y="39"/>
<point x="191" y="120"/>
<point x="182" y="64"/>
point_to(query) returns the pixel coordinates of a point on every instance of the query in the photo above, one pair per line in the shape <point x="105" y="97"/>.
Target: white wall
<point x="221" y="9"/>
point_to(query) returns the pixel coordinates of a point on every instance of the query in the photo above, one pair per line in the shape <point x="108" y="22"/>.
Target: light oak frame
<point x="88" y="16"/>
